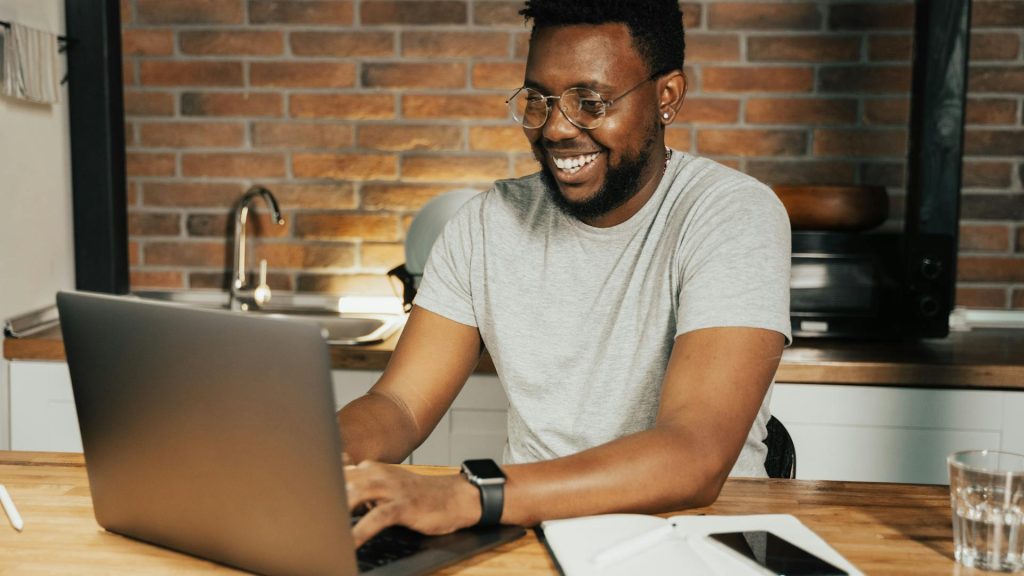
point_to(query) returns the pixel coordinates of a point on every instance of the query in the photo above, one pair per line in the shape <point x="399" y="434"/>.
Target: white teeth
<point x="573" y="165"/>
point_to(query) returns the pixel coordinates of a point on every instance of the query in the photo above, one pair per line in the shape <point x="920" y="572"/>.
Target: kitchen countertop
<point x="881" y="528"/>
<point x="981" y="358"/>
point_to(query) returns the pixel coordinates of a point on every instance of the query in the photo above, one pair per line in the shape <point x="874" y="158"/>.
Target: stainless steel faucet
<point x="239" y="284"/>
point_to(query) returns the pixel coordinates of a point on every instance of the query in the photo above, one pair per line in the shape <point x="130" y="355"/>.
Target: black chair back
<point x="781" y="460"/>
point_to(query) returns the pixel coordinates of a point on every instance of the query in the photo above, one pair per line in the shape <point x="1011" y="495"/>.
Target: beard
<point x="621" y="183"/>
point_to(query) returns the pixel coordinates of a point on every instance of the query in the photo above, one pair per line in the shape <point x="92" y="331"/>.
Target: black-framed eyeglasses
<point x="583" y="107"/>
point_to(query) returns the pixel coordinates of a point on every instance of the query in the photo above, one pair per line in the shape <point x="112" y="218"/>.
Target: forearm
<point x="376" y="427"/>
<point x="658" y="470"/>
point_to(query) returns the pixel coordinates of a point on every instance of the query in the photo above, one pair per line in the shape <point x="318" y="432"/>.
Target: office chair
<point x="781" y="460"/>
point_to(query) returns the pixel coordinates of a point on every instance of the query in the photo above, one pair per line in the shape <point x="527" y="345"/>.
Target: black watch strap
<point x="492" y="502"/>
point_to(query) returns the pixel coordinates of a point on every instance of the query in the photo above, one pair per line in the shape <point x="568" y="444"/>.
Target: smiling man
<point x="634" y="300"/>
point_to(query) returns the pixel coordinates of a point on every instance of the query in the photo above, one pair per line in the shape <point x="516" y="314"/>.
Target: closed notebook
<point x="577" y="544"/>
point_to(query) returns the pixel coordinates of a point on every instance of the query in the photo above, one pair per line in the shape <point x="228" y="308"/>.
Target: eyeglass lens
<point x="583" y="107"/>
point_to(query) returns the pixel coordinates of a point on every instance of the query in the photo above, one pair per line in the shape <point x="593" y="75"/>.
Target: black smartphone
<point x="775" y="554"/>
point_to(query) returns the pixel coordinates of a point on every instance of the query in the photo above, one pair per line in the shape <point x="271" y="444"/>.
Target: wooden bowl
<point x="834" y="208"/>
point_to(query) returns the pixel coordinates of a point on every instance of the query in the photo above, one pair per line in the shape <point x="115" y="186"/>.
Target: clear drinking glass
<point x="986" y="491"/>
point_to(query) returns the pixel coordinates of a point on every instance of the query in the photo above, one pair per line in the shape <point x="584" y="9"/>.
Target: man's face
<point x="621" y="156"/>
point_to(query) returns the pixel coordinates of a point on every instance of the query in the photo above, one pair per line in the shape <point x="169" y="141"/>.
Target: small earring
<point x="665" y="115"/>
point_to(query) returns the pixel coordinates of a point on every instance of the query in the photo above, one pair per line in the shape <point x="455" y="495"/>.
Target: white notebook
<point x="578" y="542"/>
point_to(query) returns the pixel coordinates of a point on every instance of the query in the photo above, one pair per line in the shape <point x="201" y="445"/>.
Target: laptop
<point x="213" y="433"/>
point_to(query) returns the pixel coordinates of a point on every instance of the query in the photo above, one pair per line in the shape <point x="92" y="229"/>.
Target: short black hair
<point x="656" y="26"/>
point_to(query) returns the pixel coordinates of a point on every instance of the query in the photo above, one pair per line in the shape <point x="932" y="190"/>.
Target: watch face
<point x="483" y="469"/>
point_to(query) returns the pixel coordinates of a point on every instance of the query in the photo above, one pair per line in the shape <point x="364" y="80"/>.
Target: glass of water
<point x="986" y="490"/>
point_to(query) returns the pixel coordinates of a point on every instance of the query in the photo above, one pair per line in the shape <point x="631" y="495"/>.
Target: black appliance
<point x="900" y="285"/>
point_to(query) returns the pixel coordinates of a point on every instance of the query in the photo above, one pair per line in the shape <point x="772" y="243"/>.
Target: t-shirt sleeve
<point x="734" y="262"/>
<point x="446" y="287"/>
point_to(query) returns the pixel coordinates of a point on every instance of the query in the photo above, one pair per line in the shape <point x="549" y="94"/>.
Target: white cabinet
<point x="891" y="434"/>
<point x="42" y="408"/>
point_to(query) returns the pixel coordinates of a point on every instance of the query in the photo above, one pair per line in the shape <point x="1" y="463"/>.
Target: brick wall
<point x="355" y="113"/>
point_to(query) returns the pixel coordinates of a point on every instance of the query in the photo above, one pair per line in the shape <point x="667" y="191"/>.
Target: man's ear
<point x="671" y="93"/>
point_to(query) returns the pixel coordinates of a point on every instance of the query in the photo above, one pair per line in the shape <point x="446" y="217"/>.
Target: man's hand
<point x="427" y="504"/>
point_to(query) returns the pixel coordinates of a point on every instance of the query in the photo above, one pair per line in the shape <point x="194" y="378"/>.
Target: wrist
<point x="467" y="501"/>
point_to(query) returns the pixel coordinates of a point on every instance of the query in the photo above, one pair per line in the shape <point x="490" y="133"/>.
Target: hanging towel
<point x="31" y="65"/>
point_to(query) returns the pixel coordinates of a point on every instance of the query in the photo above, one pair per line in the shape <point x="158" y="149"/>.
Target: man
<point x="634" y="301"/>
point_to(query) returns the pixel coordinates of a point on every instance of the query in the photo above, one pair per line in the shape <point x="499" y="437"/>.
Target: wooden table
<point x="880" y="528"/>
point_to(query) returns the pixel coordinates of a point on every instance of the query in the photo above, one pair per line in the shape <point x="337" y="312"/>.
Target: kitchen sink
<point x="343" y="328"/>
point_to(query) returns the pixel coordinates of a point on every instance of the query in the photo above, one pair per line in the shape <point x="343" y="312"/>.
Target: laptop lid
<point x="210" y="432"/>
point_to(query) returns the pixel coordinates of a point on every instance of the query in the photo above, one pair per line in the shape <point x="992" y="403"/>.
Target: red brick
<point x="1004" y="79"/>
<point x="348" y="284"/>
<point x="221" y="280"/>
<point x="454" y="168"/>
<point x="712" y="48"/>
<point x="166" y="73"/>
<point x="147" y="42"/>
<point x="764" y="16"/>
<point x="498" y="13"/>
<point x="221" y="42"/>
<point x="866" y="16"/>
<point x="991" y="111"/>
<point x="524" y="165"/>
<point x="382" y="257"/>
<point x="301" y="135"/>
<point x="345" y="166"/>
<point x="399" y="197"/>
<point x="414" y="75"/>
<point x="891" y="47"/>
<point x="709" y="111"/>
<point x="191" y="194"/>
<point x="326" y="13"/>
<point x="342" y="43"/>
<point x="1020" y="239"/>
<point x="133" y="254"/>
<point x="801" y="111"/>
<point x="757" y="79"/>
<point x="679" y="138"/>
<point x="995" y="206"/>
<point x="990" y="269"/>
<point x="346" y="106"/>
<point x="336" y="196"/>
<point x="308" y="256"/>
<point x="451" y="106"/>
<point x="994" y="142"/>
<point x="693" y="13"/>
<point x="192" y="134"/>
<point x="522" y="45"/>
<point x="412" y="13"/>
<point x="153" y="224"/>
<point x="240" y="165"/>
<point x="860" y="143"/>
<point x="1018" y="298"/>
<point x="797" y="172"/>
<point x="501" y="75"/>
<point x="400" y="138"/>
<point x="498" y="139"/>
<point x="445" y="44"/>
<point x="128" y="75"/>
<point x="1004" y="14"/>
<point x="156" y="279"/>
<point x="139" y="103"/>
<point x="974" y="238"/>
<point x="129" y="134"/>
<point x="994" y="46"/>
<point x="887" y="111"/>
<point x="188" y="12"/>
<point x="751" y="142"/>
<point x="980" y="174"/>
<point x="259" y="224"/>
<point x="302" y="74"/>
<point x="231" y="104"/>
<point x="803" y="48"/>
<point x="139" y="164"/>
<point x="374" y="228"/>
<point x="126" y="12"/>
<point x="184" y="254"/>
<point x="865" y="79"/>
<point x="972" y="297"/>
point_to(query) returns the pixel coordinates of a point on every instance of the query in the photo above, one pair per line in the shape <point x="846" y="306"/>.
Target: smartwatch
<point x="488" y="477"/>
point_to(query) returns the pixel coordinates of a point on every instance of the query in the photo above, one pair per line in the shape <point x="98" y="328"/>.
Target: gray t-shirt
<point x="580" y="321"/>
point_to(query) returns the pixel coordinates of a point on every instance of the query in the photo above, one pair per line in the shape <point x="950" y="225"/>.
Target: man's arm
<point x="714" y="385"/>
<point x="431" y="363"/>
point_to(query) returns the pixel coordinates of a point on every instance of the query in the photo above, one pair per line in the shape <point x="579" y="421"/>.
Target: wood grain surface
<point x="884" y="529"/>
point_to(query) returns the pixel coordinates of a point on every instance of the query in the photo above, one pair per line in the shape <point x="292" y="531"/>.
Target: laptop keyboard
<point x="389" y="545"/>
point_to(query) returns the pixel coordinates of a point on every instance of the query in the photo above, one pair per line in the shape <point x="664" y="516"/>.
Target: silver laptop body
<point x="213" y="433"/>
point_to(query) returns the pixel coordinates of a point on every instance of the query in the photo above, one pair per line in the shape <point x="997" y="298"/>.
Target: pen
<point x="12" y="512"/>
<point x="633" y="545"/>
